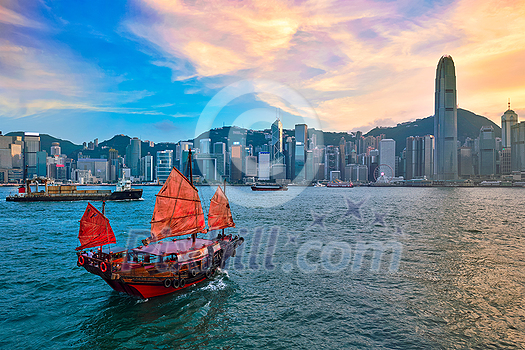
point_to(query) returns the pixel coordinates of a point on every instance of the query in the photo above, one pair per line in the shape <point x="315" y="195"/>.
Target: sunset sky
<point x="80" y="70"/>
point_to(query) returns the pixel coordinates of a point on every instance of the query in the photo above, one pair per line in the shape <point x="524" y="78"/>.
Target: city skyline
<point x="132" y="70"/>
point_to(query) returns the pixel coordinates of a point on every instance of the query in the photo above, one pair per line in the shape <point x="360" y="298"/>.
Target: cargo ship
<point x="54" y="193"/>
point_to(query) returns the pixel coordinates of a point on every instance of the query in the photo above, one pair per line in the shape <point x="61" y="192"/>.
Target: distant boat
<point x="162" y="266"/>
<point x="318" y="184"/>
<point x="270" y="187"/>
<point x="55" y="193"/>
<point x="339" y="183"/>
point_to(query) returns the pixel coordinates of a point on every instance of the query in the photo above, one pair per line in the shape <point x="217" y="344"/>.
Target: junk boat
<point x="161" y="266"/>
<point x="270" y="187"/>
<point x="71" y="193"/>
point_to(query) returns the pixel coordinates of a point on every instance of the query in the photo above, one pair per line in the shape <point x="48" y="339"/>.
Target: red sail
<point x="178" y="209"/>
<point x="220" y="215"/>
<point x="94" y="229"/>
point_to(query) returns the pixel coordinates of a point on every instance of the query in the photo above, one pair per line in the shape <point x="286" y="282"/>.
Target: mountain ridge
<point x="469" y="125"/>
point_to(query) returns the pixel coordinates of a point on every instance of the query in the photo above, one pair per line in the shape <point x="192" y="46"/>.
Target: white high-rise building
<point x="164" y="165"/>
<point x="387" y="157"/>
<point x="264" y="166"/>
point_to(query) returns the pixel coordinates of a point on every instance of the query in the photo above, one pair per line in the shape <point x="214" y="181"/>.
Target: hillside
<point x="469" y="125"/>
<point x="46" y="141"/>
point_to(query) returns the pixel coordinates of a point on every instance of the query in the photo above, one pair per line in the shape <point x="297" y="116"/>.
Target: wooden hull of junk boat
<point x="147" y="286"/>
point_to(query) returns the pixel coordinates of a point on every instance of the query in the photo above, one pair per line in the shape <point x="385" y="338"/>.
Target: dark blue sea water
<point x="393" y="268"/>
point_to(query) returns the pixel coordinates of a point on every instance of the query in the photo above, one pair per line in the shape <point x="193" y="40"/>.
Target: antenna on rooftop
<point x="509" y="103"/>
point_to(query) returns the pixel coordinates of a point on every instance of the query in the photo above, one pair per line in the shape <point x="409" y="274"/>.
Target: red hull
<point x="146" y="291"/>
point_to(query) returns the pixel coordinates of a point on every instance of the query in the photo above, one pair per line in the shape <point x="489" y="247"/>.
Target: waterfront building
<point x="419" y="157"/>
<point x="466" y="165"/>
<point x="445" y="121"/>
<point x="331" y="160"/>
<point x="219" y="151"/>
<point x="358" y="173"/>
<point x="205" y="146"/>
<point x="41" y="164"/>
<point x="508" y="119"/>
<point x="31" y="147"/>
<point x="301" y="141"/>
<point x="250" y="166"/>
<point x="517" y="149"/>
<point x="147" y="166"/>
<point x="387" y="157"/>
<point x="236" y="167"/>
<point x="309" y="167"/>
<point x="164" y="165"/>
<point x="487" y="151"/>
<point x="113" y="166"/>
<point x="264" y="166"/>
<point x="277" y="142"/>
<point x="505" y="161"/>
<point x="206" y="166"/>
<point x="135" y="145"/>
<point x="184" y="149"/>
<point x="289" y="149"/>
<point x="342" y="154"/>
<point x="97" y="166"/>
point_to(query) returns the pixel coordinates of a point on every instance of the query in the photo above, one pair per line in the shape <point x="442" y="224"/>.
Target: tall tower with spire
<point x="446" y="121"/>
<point x="508" y="119"/>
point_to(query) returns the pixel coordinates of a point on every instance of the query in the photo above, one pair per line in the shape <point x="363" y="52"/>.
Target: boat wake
<point x="140" y="301"/>
<point x="215" y="285"/>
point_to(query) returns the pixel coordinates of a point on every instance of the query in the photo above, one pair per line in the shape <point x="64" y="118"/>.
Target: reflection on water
<point x="193" y="318"/>
<point x="460" y="282"/>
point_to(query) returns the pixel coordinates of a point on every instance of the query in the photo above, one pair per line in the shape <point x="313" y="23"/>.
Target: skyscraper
<point x="446" y="121"/>
<point x="205" y="145"/>
<point x="487" y="151"/>
<point x="301" y="139"/>
<point x="508" y="119"/>
<point x="164" y="165"/>
<point x="236" y="166"/>
<point x="387" y="157"/>
<point x="32" y="146"/>
<point x="277" y="141"/>
<point x="133" y="156"/>
<point x="419" y="157"/>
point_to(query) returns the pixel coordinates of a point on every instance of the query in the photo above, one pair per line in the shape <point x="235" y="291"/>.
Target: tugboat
<point x="125" y="192"/>
<point x="161" y="266"/>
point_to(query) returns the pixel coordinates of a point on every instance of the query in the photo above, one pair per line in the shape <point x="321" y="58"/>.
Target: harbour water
<point x="441" y="268"/>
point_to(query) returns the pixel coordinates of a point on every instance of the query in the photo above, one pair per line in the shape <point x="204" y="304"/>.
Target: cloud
<point x="356" y="62"/>
<point x="165" y="125"/>
<point x="8" y="16"/>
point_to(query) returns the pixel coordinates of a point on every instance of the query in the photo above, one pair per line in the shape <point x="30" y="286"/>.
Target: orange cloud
<point x="356" y="61"/>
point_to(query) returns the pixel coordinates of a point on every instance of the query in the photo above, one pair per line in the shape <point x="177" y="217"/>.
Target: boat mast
<point x="104" y="214"/>
<point x="225" y="195"/>
<point x="193" y="235"/>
